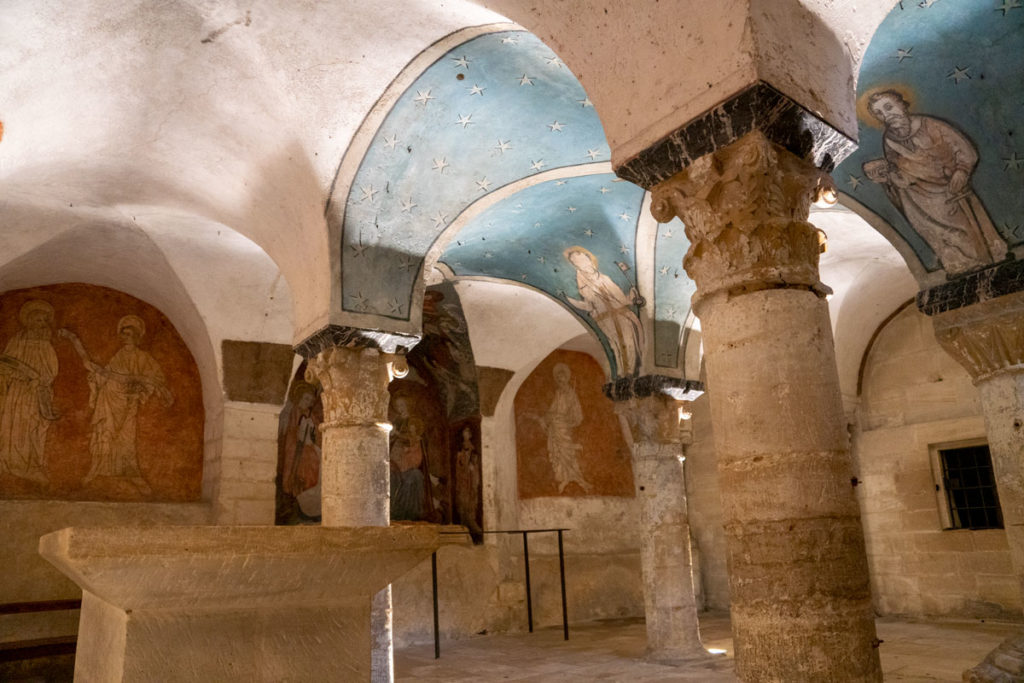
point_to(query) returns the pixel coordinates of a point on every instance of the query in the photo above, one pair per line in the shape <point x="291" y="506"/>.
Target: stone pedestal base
<point x="1005" y="664"/>
<point x="230" y="603"/>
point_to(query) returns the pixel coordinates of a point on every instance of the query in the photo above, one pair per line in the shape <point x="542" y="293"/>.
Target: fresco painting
<point x="568" y="439"/>
<point x="574" y="239"/>
<point x="937" y="133"/>
<point x="100" y="399"/>
<point x="468" y="145"/>
<point x="434" y="444"/>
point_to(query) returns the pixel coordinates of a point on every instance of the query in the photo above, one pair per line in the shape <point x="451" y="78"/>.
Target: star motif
<point x="395" y="307"/>
<point x="604" y="190"/>
<point x="1013" y="161"/>
<point x="477" y="90"/>
<point x="464" y="121"/>
<point x="592" y="153"/>
<point x="553" y="61"/>
<point x="423" y="96"/>
<point x="359" y="301"/>
<point x="1016" y="229"/>
<point x="440" y="219"/>
<point x="925" y="4"/>
<point x="1008" y="5"/>
<point x="559" y="183"/>
<point x="503" y="146"/>
<point x="668" y="234"/>
<point x="854" y="181"/>
<point x="390" y="142"/>
<point x="488" y="254"/>
<point x="671" y="312"/>
<point x="509" y="40"/>
<point x="663" y="270"/>
<point x="407" y="205"/>
<point x="462" y="61"/>
<point x="484" y="184"/>
<point x="623" y="249"/>
<point x="358" y="249"/>
<point x="441" y="164"/>
<point x="541" y="259"/>
<point x="571" y="209"/>
<point x="407" y="263"/>
<point x="902" y="54"/>
<point x="368" y="193"/>
<point x="537" y="165"/>
<point x="624" y="216"/>
<point x="959" y="73"/>
<point x="588" y="232"/>
<point x="585" y="102"/>
<point x="523" y="276"/>
<point x="556" y="127"/>
<point x="525" y="80"/>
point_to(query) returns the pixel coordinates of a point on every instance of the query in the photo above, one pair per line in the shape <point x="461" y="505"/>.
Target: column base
<point x="1005" y="664"/>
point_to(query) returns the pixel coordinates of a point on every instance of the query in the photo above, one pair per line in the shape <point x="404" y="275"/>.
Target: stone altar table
<point x="181" y="603"/>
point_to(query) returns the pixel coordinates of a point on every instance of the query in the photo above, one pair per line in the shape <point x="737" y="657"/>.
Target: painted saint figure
<point x="300" y="464"/>
<point x="610" y="308"/>
<point x="562" y="418"/>
<point x="467" y="484"/>
<point x="116" y="392"/>
<point x="409" y="475"/>
<point x="28" y="367"/>
<point x="926" y="173"/>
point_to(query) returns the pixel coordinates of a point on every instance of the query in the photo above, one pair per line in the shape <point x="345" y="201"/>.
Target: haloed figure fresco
<point x="28" y="367"/>
<point x="926" y="173"/>
<point x="610" y="308"/>
<point x="116" y="392"/>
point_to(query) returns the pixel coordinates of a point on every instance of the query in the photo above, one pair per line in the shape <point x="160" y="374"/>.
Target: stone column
<point x="354" y="474"/>
<point x="988" y="340"/>
<point x="801" y="598"/>
<point x="670" y="608"/>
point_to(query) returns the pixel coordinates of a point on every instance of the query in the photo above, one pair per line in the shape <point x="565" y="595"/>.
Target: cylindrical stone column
<point x="354" y="474"/>
<point x="670" y="606"/>
<point x="988" y="340"/>
<point x="801" y="599"/>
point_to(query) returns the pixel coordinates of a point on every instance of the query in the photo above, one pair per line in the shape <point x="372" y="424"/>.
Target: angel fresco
<point x="926" y="172"/>
<point x="28" y="367"/>
<point x="610" y="309"/>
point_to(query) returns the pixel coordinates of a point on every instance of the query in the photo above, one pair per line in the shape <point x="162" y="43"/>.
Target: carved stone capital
<point x="653" y="420"/>
<point x="986" y="338"/>
<point x="355" y="385"/>
<point x="745" y="209"/>
<point x="355" y="337"/>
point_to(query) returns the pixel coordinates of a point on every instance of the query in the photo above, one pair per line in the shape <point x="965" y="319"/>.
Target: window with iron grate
<point x="970" y="488"/>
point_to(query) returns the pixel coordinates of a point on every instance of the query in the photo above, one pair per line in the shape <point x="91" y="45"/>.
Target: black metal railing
<point x="526" y="562"/>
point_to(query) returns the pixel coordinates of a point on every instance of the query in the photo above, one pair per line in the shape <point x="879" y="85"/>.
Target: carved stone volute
<point x="355" y="385"/>
<point x="986" y="338"/>
<point x="745" y="210"/>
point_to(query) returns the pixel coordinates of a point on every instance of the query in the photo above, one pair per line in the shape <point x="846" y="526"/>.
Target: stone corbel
<point x="987" y="338"/>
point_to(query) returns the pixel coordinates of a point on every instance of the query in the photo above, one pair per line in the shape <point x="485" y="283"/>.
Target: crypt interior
<point x="309" y="307"/>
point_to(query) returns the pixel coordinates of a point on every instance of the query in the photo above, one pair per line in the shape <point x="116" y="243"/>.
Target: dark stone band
<point x="355" y="337"/>
<point x="626" y="388"/>
<point x="995" y="281"/>
<point x="758" y="107"/>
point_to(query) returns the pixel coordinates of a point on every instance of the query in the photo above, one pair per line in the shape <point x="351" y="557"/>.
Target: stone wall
<point x="914" y="396"/>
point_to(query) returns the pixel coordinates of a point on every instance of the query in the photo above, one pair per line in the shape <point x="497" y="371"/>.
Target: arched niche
<point x="100" y="398"/>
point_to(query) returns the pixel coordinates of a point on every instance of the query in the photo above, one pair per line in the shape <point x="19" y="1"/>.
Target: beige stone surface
<point x="230" y="603"/>
<point x="914" y="397"/>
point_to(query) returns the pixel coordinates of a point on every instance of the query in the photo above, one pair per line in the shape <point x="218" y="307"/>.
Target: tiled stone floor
<point x="612" y="650"/>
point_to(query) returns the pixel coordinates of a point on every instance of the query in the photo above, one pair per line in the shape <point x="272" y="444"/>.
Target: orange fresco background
<point x="604" y="458"/>
<point x="169" y="439"/>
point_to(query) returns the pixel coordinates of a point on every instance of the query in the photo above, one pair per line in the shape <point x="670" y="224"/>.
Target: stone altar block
<point x="207" y="603"/>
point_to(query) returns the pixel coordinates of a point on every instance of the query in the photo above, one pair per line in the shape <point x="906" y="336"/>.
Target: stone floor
<point x="612" y="650"/>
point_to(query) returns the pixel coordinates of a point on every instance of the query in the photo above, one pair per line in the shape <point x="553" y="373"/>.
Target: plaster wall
<point x="914" y="396"/>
